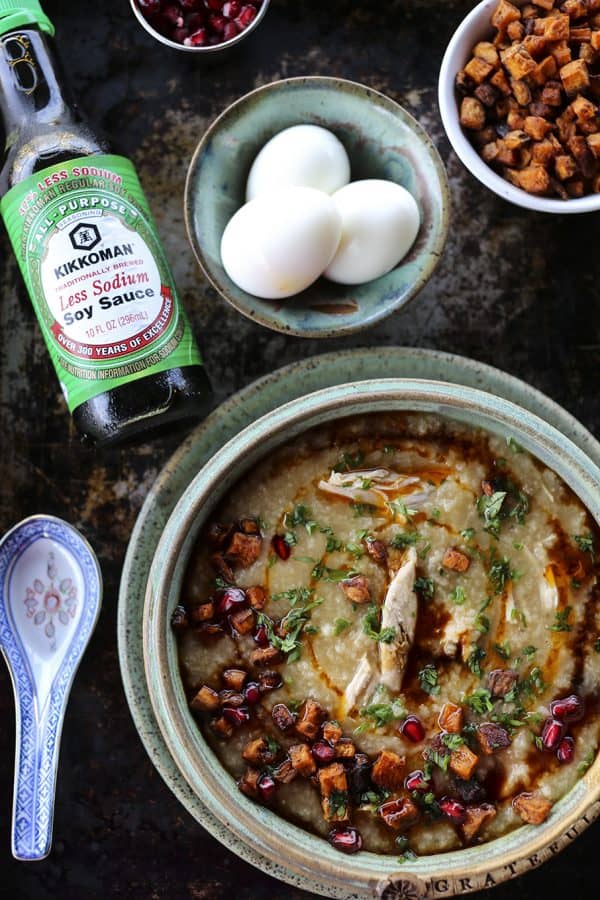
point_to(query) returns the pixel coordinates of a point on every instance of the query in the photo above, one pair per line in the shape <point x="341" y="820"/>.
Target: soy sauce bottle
<point x="89" y="251"/>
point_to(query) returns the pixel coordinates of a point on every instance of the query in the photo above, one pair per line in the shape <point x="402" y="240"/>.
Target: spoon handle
<point x="35" y="778"/>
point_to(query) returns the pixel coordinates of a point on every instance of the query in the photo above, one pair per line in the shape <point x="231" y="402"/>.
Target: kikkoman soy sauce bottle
<point x="88" y="250"/>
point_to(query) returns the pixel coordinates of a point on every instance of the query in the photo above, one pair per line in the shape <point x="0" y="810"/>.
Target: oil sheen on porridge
<point x="389" y="633"/>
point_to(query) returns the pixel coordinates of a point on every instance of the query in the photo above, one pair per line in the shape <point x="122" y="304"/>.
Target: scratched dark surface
<point x="514" y="289"/>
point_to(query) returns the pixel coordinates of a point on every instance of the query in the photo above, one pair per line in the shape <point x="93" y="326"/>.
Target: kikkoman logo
<point x="85" y="237"/>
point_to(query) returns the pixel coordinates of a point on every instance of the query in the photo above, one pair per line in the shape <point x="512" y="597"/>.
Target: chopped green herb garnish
<point x="518" y="616"/>
<point x="381" y="714"/>
<point x="480" y="701"/>
<point x="404" y="539"/>
<point x="518" y="545"/>
<point x="333" y="544"/>
<point x="355" y="550"/>
<point x="428" y="679"/>
<point x="349" y="461"/>
<point x="597" y="645"/>
<point x="323" y="573"/>
<point x="474" y="660"/>
<point x="371" y="626"/>
<point x="585" y="542"/>
<point x="467" y="534"/>
<point x="561" y="620"/>
<point x="458" y="595"/>
<point x="310" y="629"/>
<point x="300" y="515"/>
<point x="489" y="508"/>
<point x="291" y="626"/>
<point x="340" y="625"/>
<point x="271" y="561"/>
<point x="482" y="623"/>
<point x="452" y="741"/>
<point x="587" y="761"/>
<point x="338" y="804"/>
<point x="438" y="758"/>
<point x="272" y="745"/>
<point x="422" y="553"/>
<point x="529" y="651"/>
<point x="290" y="538"/>
<point x="503" y="649"/>
<point x="537" y="741"/>
<point x="435" y="513"/>
<point x="406" y="853"/>
<point x="500" y="573"/>
<point x="514" y="446"/>
<point x="363" y="509"/>
<point x="424" y="587"/>
<point x="398" y="508"/>
<point x="294" y="595"/>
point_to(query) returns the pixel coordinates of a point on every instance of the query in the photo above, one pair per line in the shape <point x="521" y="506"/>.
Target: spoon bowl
<point x="50" y="597"/>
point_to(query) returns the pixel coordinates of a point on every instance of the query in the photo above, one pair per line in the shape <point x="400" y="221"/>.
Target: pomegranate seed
<point x="568" y="709"/>
<point x="266" y="788"/>
<point x="412" y="728"/>
<point x="453" y="810"/>
<point x="179" y="35"/>
<point x="252" y="693"/>
<point x="190" y="5"/>
<point x="416" y="781"/>
<point x="172" y="15"/>
<point x="197" y="39"/>
<point x="348" y="840"/>
<point x="261" y="636"/>
<point x="246" y="16"/>
<point x="232" y="9"/>
<point x="552" y="734"/>
<point x="230" y="599"/>
<point x="230" y="31"/>
<point x="565" y="750"/>
<point x="237" y="717"/>
<point x="281" y="546"/>
<point x="323" y="753"/>
<point x="214" y="5"/>
<point x="195" y="21"/>
<point x="217" y="24"/>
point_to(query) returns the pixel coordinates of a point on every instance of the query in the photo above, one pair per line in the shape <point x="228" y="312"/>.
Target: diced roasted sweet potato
<point x="489" y="152"/>
<point x="478" y="69"/>
<point x="204" y="612"/>
<point x="518" y="61"/>
<point x="575" y="187"/>
<point x="535" y="44"/>
<point x="310" y="717"/>
<point x="504" y="14"/>
<point x="595" y="40"/>
<point x="284" y="772"/>
<point x="454" y="559"/>
<point x="356" y="589"/>
<point x="399" y="814"/>
<point x="266" y="656"/>
<point x="543" y="153"/>
<point x="487" y="52"/>
<point x="532" y="808"/>
<point x="580" y="34"/>
<point x="243" y="620"/>
<point x="555" y="28"/>
<point x="463" y="762"/>
<point x="561" y="52"/>
<point x="244" y="549"/>
<point x="492" y="737"/>
<point x="221" y="727"/>
<point x="543" y="4"/>
<point x="472" y="113"/>
<point x="534" y="179"/>
<point x="302" y="760"/>
<point x="283" y="718"/>
<point x="222" y="567"/>
<point x="593" y="142"/>
<point x="487" y="94"/>
<point x="584" y="157"/>
<point x="500" y="81"/>
<point x="552" y="94"/>
<point x="451" y="718"/>
<point x="505" y="156"/>
<point x="515" y="31"/>
<point x="515" y="121"/>
<point x="257" y="597"/>
<point x="575" y="9"/>
<point x="536" y="127"/>
<point x="345" y="749"/>
<point x="583" y="108"/>
<point x="476" y="818"/>
<point x="501" y="681"/>
<point x="463" y="83"/>
<point x="332" y="732"/>
<point x="388" y="770"/>
<point x="333" y="785"/>
<point x="521" y="91"/>
<point x="206" y="700"/>
<point x="575" y="76"/>
<point x="545" y="70"/>
<point x="234" y="679"/>
<point x="248" y="783"/>
<point x="259" y="752"/>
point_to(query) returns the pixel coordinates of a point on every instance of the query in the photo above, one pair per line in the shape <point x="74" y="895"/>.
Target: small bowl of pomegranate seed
<point x="206" y="27"/>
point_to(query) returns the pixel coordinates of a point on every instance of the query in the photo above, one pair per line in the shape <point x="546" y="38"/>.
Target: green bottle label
<point x="97" y="275"/>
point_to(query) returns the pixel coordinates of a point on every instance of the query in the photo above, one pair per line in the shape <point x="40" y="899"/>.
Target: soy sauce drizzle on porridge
<point x="390" y="634"/>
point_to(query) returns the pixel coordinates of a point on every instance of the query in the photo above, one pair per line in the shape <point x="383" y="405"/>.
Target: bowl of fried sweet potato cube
<point x="519" y="95"/>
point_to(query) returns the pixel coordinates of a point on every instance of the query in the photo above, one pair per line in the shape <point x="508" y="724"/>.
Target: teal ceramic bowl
<point x="302" y="855"/>
<point x="382" y="141"/>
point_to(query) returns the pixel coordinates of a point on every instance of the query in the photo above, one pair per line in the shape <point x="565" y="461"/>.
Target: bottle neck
<point x="31" y="88"/>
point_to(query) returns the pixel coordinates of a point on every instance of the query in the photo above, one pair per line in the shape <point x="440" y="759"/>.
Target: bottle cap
<point x="14" y="14"/>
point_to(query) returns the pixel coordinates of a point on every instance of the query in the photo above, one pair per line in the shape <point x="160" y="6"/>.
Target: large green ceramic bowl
<point x="382" y="141"/>
<point x="286" y="846"/>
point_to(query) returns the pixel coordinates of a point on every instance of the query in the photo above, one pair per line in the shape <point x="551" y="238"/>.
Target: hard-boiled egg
<point x="300" y="156"/>
<point x="380" y="221"/>
<point x="279" y="243"/>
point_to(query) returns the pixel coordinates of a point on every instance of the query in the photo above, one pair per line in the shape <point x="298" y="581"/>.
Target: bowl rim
<point x="211" y="50"/>
<point x="434" y="254"/>
<point x="454" y="58"/>
<point x="254" y="825"/>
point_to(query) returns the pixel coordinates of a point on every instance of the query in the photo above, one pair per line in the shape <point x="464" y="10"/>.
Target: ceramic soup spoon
<point x="50" y="595"/>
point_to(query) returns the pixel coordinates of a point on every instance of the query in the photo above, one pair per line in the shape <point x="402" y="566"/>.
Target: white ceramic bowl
<point x="477" y="27"/>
